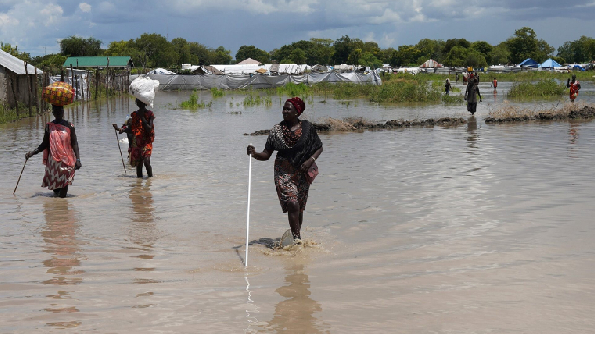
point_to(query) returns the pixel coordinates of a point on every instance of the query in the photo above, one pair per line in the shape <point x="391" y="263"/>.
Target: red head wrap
<point x="298" y="104"/>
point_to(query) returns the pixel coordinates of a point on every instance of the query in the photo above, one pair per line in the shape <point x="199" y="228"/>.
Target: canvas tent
<point x="430" y="64"/>
<point x="550" y="64"/>
<point x="250" y="61"/>
<point x="528" y="63"/>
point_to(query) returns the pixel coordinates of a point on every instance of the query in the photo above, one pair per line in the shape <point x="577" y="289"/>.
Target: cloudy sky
<point x="36" y="26"/>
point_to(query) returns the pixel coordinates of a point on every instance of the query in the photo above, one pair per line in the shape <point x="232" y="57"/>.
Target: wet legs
<point x="295" y="218"/>
<point x="61" y="192"/>
<point x="145" y="163"/>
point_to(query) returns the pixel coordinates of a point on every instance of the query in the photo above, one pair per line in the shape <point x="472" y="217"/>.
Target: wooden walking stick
<point x="119" y="144"/>
<point x="14" y="191"/>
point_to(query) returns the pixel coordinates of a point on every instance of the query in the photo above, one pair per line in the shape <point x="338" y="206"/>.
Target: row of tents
<point x="550" y="64"/>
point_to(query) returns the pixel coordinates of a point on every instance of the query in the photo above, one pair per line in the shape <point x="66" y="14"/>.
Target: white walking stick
<point x="248" y="212"/>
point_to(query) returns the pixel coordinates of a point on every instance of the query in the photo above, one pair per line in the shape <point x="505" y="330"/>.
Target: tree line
<point x="154" y="50"/>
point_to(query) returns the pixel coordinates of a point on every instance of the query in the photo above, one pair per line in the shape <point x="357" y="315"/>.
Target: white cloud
<point x="85" y="7"/>
<point x="388" y="16"/>
<point x="52" y="14"/>
<point x="265" y="7"/>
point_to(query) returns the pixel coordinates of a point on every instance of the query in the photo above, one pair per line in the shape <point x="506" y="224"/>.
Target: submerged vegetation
<point x="543" y="88"/>
<point x="193" y="104"/>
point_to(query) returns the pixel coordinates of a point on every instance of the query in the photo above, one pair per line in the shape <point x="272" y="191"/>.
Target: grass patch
<point x="254" y="99"/>
<point x="544" y="88"/>
<point x="216" y="92"/>
<point x="8" y="115"/>
<point x="193" y="104"/>
<point x="291" y="89"/>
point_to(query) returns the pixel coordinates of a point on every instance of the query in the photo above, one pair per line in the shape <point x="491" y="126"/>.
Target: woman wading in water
<point x="61" y="153"/>
<point x="142" y="130"/>
<point x="298" y="146"/>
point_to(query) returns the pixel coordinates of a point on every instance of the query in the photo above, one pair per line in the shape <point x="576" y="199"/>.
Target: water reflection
<point x="472" y="131"/>
<point x="60" y="237"/>
<point x="142" y="231"/>
<point x="59" y="234"/>
<point x="574" y="132"/>
<point x="296" y="313"/>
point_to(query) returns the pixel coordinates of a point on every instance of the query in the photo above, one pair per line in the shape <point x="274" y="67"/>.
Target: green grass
<point x="544" y="88"/>
<point x="216" y="92"/>
<point x="254" y="99"/>
<point x="193" y="104"/>
<point x="8" y="115"/>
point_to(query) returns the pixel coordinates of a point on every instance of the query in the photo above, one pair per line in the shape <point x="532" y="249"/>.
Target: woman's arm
<point x="311" y="159"/>
<point x="44" y="145"/>
<point x="147" y="124"/>
<point x="75" y="146"/>
<point x="262" y="156"/>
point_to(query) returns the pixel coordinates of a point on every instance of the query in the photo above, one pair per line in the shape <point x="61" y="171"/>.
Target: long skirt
<point x="291" y="184"/>
<point x="57" y="174"/>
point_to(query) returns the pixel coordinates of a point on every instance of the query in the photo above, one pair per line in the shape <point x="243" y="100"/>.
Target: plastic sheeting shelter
<point x="257" y="81"/>
<point x="528" y="63"/>
<point x="430" y="64"/>
<point x="550" y="64"/>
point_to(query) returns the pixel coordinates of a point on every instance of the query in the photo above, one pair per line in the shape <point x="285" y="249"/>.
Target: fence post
<point x="28" y="86"/>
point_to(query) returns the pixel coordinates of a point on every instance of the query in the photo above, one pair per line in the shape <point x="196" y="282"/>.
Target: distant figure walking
<point x="472" y="89"/>
<point x="298" y="146"/>
<point x="448" y="86"/>
<point x="573" y="88"/>
<point x="456" y="78"/>
<point x="495" y="83"/>
<point x="142" y="130"/>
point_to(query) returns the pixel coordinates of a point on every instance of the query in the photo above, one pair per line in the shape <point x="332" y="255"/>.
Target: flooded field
<point x="474" y="229"/>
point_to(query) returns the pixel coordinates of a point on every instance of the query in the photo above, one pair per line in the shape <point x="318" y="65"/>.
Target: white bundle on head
<point x="143" y="89"/>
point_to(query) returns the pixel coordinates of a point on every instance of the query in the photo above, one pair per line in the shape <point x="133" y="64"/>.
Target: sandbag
<point x="143" y="89"/>
<point x="59" y="93"/>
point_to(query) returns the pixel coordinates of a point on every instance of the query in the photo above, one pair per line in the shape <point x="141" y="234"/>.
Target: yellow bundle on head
<point x="59" y="94"/>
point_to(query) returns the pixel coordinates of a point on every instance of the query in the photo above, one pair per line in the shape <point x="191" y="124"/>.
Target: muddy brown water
<point x="473" y="229"/>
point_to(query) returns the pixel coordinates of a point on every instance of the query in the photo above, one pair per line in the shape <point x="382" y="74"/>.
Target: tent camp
<point x="550" y="64"/>
<point x="430" y="64"/>
<point x="250" y="61"/>
<point x="529" y="63"/>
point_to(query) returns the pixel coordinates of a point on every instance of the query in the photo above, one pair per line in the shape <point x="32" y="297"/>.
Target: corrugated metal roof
<point x="15" y="64"/>
<point x="97" y="61"/>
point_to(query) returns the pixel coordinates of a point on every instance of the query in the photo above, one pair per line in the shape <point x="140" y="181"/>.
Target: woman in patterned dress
<point x="142" y="130"/>
<point x="61" y="153"/>
<point x="298" y="146"/>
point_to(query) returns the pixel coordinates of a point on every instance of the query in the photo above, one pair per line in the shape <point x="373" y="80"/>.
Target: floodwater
<point x="474" y="229"/>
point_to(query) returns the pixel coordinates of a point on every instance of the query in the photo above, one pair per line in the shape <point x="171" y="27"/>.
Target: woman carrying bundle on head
<point x="298" y="146"/>
<point x="60" y="147"/>
<point x="142" y="125"/>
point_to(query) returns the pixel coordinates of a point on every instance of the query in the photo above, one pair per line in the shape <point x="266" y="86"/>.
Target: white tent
<point x="250" y="61"/>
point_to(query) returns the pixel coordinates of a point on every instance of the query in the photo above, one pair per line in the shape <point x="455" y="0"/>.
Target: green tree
<point x="524" y="44"/>
<point x="430" y="49"/>
<point x="200" y="54"/>
<point x="15" y="52"/>
<point x="474" y="58"/>
<point x="76" y="46"/>
<point x="252" y="52"/>
<point x="499" y="55"/>
<point x="578" y="51"/>
<point x="343" y="47"/>
<point x="184" y="52"/>
<point x="485" y="49"/>
<point x="450" y="43"/>
<point x="456" y="57"/>
<point x="386" y="55"/>
<point x="298" y="56"/>
<point x="369" y="60"/>
<point x="406" y="56"/>
<point x="156" y="51"/>
<point x="221" y="56"/>
<point x="354" y="57"/>
<point x="49" y="61"/>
